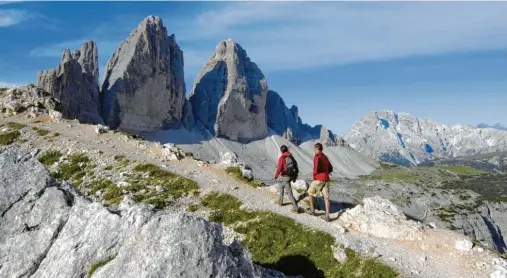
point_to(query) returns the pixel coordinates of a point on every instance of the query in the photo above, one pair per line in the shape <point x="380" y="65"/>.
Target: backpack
<point x="291" y="169"/>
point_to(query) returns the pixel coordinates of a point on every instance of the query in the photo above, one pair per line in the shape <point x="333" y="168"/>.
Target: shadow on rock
<point x="296" y="265"/>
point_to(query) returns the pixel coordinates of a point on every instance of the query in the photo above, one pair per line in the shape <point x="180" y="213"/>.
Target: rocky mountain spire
<point x="75" y="83"/>
<point x="144" y="86"/>
<point x="229" y="95"/>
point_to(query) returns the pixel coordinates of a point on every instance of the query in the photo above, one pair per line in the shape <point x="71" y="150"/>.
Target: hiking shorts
<point x="319" y="186"/>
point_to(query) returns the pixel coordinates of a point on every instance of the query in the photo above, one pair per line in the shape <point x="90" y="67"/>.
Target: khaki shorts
<point x="319" y="186"/>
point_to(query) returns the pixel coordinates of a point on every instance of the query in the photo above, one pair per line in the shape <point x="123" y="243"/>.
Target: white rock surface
<point x="48" y="230"/>
<point x="144" y="87"/>
<point x="229" y="95"/>
<point x="381" y="218"/>
<point x="464" y="244"/>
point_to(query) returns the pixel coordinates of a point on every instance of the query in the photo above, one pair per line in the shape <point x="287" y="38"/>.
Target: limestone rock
<point x="28" y="98"/>
<point x="144" y="87"/>
<point x="188" y="116"/>
<point x="464" y="244"/>
<point x="339" y="254"/>
<point x="75" y="84"/>
<point x="379" y="217"/>
<point x="49" y="230"/>
<point x="172" y="152"/>
<point x="229" y="95"/>
<point x="300" y="184"/>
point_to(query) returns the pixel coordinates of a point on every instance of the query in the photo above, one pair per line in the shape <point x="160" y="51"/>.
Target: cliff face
<point x="144" y="87"/>
<point x="229" y="95"/>
<point x="75" y="84"/>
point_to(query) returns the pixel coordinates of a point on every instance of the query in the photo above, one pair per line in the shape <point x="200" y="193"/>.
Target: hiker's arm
<point x="315" y="165"/>
<point x="279" y="167"/>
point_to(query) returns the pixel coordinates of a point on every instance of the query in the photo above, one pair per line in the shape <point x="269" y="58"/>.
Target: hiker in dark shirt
<point x="287" y="171"/>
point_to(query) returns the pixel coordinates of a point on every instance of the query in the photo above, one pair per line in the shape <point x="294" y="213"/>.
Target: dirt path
<point x="433" y="255"/>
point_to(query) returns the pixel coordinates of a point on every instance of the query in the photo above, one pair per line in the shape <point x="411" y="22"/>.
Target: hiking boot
<point x="310" y="212"/>
<point x="326" y="218"/>
<point x="278" y="203"/>
<point x="298" y="210"/>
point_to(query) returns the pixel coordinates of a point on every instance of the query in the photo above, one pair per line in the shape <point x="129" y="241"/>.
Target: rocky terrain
<point x="488" y="162"/>
<point x="403" y="139"/>
<point x="119" y="170"/>
<point x="49" y="230"/>
<point x="286" y="122"/>
<point x="459" y="198"/>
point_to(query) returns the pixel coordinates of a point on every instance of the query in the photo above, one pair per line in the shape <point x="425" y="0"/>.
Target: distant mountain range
<point x="497" y="126"/>
<point x="403" y="139"/>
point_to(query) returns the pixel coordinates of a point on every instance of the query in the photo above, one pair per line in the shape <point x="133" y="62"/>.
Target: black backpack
<point x="292" y="167"/>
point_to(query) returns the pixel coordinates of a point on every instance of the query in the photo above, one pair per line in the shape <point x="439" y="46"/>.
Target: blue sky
<point x="335" y="60"/>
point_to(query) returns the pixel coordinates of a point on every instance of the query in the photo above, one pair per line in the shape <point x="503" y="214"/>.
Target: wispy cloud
<point x="9" y="17"/>
<point x="298" y="35"/>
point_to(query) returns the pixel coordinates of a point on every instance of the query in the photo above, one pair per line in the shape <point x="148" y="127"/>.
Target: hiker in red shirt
<point x="287" y="171"/>
<point x="321" y="169"/>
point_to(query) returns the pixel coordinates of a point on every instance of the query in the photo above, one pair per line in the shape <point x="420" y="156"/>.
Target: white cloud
<point x="9" y="17"/>
<point x="299" y="35"/>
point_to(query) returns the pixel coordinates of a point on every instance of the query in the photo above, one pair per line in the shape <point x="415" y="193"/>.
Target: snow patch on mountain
<point x="403" y="139"/>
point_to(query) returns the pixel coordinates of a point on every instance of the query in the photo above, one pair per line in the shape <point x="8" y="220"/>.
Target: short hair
<point x="284" y="148"/>
<point x="318" y="146"/>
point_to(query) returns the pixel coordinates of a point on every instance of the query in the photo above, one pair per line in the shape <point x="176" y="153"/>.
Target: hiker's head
<point x="284" y="148"/>
<point x="317" y="148"/>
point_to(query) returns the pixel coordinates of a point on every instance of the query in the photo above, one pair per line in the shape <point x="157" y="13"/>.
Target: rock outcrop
<point x="75" y="84"/>
<point x="380" y="218"/>
<point x="229" y="95"/>
<point x="287" y="123"/>
<point x="29" y="99"/>
<point x="48" y="230"/>
<point x="144" y="86"/>
<point x="403" y="139"/>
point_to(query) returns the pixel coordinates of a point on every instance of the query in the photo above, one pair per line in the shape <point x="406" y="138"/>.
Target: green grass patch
<point x="464" y="170"/>
<point x="9" y="137"/>
<point x="95" y="266"/>
<point x="50" y="157"/>
<point x="236" y="173"/>
<point x="40" y="131"/>
<point x="121" y="161"/>
<point x="176" y="185"/>
<point x="76" y="163"/>
<point x="133" y="136"/>
<point x="192" y="207"/>
<point x="15" y="126"/>
<point x="280" y="243"/>
<point x="108" y="168"/>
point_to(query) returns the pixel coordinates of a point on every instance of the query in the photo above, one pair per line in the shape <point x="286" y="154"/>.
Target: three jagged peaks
<point x="144" y="90"/>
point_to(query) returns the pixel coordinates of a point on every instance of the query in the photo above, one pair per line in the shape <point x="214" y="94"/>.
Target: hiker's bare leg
<point x="326" y="201"/>
<point x="310" y="200"/>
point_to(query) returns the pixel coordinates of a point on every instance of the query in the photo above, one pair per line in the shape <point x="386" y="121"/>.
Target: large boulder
<point x="144" y="86"/>
<point x="229" y="95"/>
<point x="48" y="230"/>
<point x="75" y="84"/>
<point x="381" y="218"/>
